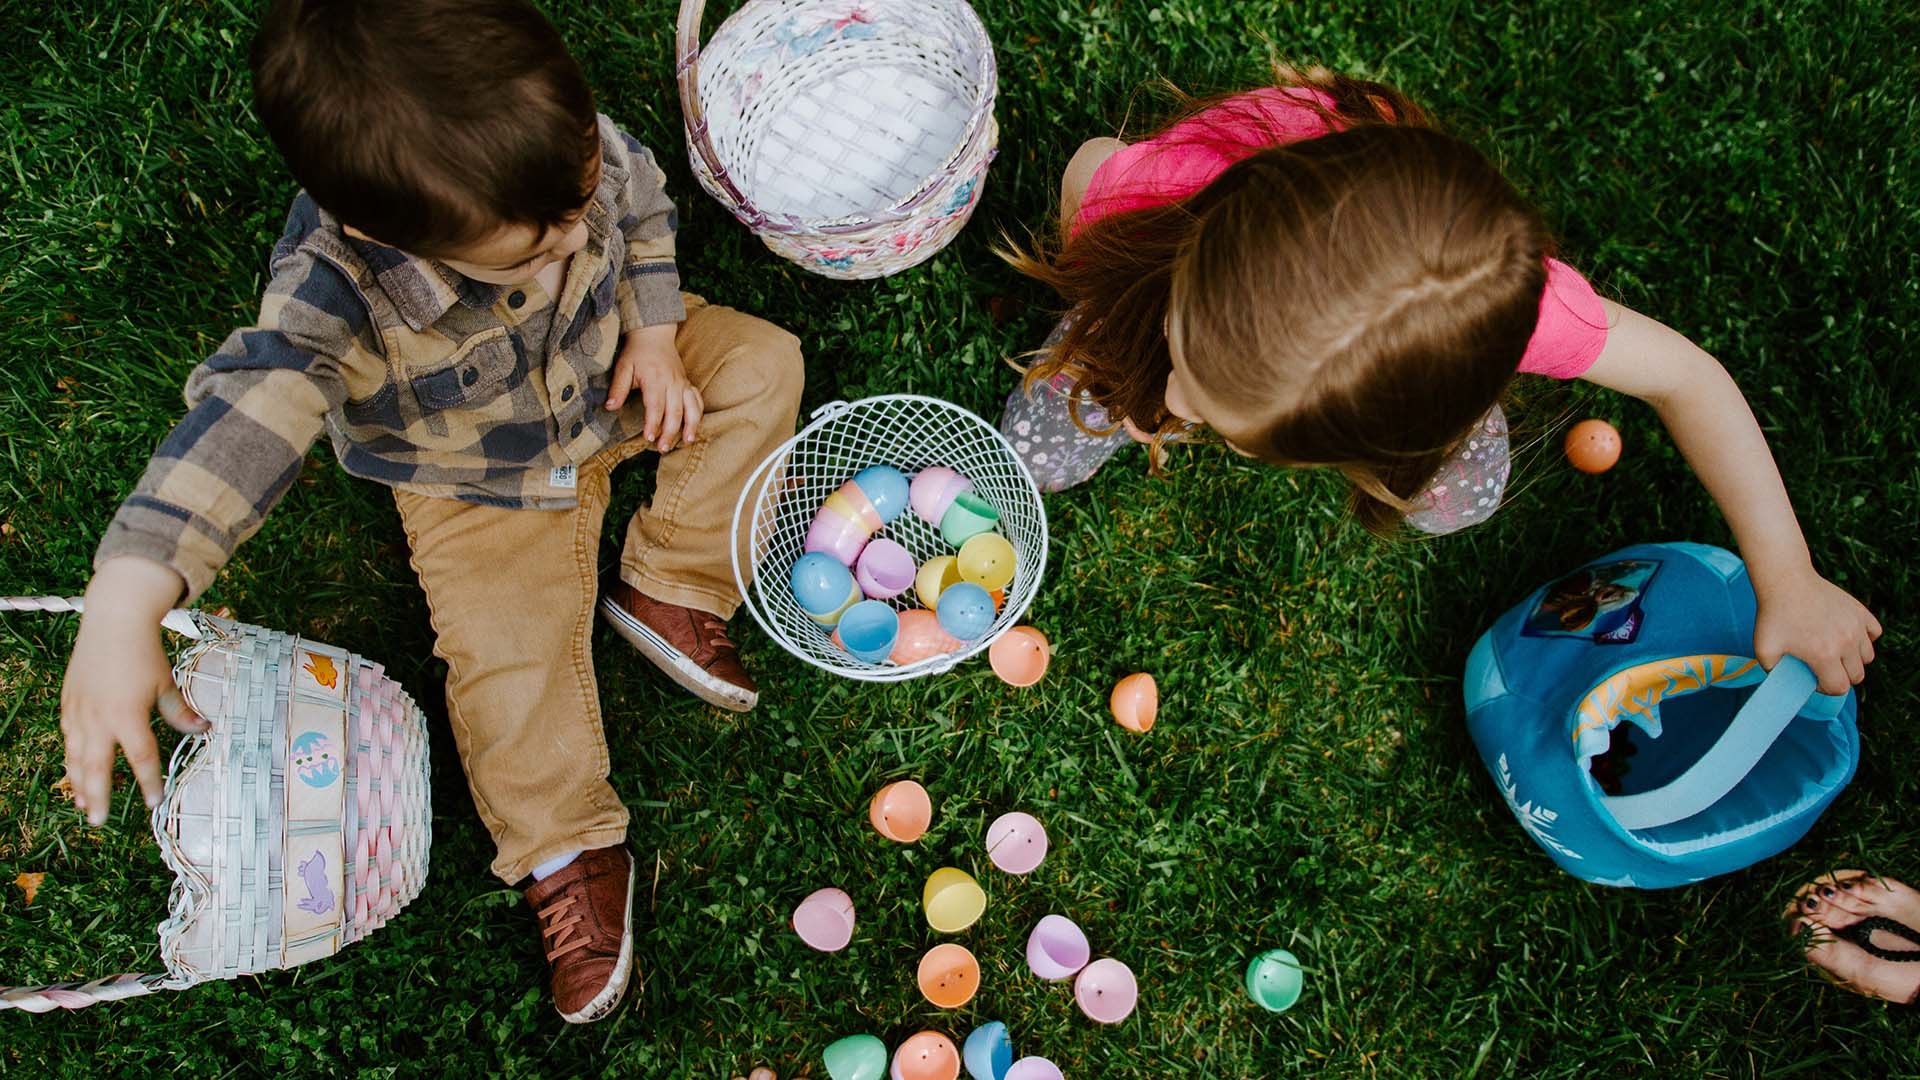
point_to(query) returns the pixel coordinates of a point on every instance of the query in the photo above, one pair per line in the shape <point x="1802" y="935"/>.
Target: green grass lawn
<point x="1745" y="172"/>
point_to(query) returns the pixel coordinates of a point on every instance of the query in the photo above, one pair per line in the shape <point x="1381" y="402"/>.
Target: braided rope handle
<point x="78" y="995"/>
<point x="686" y="70"/>
<point x="180" y="620"/>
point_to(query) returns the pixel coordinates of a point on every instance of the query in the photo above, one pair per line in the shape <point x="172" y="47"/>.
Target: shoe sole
<point x="609" y="996"/>
<point x="716" y="692"/>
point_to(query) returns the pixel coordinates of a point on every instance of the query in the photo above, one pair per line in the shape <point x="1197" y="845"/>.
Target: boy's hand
<point x="649" y="362"/>
<point x="1812" y="618"/>
<point x="116" y="677"/>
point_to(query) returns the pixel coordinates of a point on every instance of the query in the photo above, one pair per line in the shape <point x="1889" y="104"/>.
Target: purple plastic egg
<point x="885" y="570"/>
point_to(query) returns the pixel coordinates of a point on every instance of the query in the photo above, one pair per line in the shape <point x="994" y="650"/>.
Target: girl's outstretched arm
<point x="1801" y="612"/>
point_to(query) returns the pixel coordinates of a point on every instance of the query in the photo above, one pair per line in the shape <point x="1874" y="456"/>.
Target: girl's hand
<point x="116" y="678"/>
<point x="1810" y="617"/>
<point x="650" y="362"/>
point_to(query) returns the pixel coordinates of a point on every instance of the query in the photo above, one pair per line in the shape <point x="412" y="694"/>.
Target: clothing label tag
<point x="563" y="477"/>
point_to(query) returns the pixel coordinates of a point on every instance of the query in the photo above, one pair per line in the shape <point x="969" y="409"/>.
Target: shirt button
<point x="578" y="427"/>
<point x="517" y="300"/>
<point x="566" y="394"/>
<point x="471" y="376"/>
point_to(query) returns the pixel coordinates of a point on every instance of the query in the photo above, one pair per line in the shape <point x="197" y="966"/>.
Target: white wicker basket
<point x="906" y="431"/>
<point x="852" y="136"/>
<point x="296" y="825"/>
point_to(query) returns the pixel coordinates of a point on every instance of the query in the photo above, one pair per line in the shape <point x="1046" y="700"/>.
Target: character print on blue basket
<point x="313" y="873"/>
<point x="1599" y="603"/>
<point x="316" y="760"/>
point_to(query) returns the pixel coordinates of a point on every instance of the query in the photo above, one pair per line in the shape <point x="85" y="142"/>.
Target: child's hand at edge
<point x="115" y="679"/>
<point x="650" y="363"/>
<point x="1805" y="615"/>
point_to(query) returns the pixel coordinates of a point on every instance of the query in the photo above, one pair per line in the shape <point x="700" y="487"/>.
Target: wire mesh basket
<point x="910" y="433"/>
<point x="297" y="824"/>
<point x="852" y="136"/>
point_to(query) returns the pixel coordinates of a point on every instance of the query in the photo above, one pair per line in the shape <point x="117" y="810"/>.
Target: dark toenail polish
<point x="1826" y="890"/>
<point x="1811" y="903"/>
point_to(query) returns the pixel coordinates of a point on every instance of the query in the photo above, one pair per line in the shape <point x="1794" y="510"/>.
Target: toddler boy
<point x="476" y="298"/>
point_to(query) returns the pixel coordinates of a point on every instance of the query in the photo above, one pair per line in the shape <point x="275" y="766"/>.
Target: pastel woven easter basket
<point x="852" y="136"/>
<point x="296" y="825"/>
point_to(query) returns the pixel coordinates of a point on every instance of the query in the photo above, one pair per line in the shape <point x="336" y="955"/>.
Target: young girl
<point x="1323" y="279"/>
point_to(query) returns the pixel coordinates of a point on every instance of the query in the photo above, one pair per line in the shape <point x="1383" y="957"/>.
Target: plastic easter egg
<point x="1020" y="656"/>
<point x="824" y="920"/>
<point x="851" y="502"/>
<point x="933" y="491"/>
<point x="901" y="811"/>
<point x="987" y="560"/>
<point x="921" y="638"/>
<point x="822" y="587"/>
<point x="953" y="900"/>
<point x="1016" y="842"/>
<point x="969" y="516"/>
<point x="868" y="630"/>
<point x="886" y="488"/>
<point x="1034" y="1068"/>
<point x="1136" y="702"/>
<point x="837" y="535"/>
<point x="988" y="1052"/>
<point x="927" y="1056"/>
<point x="965" y="611"/>
<point x="1057" y="949"/>
<point x="1106" y="990"/>
<point x="949" y="976"/>
<point x="885" y="570"/>
<point x="856" y="1057"/>
<point x="1274" y="980"/>
<point x="936" y="576"/>
<point x="1593" y="446"/>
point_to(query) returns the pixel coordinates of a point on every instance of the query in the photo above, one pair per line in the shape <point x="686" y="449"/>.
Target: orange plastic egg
<point x="1135" y="702"/>
<point x="1020" y="656"/>
<point x="949" y="975"/>
<point x="921" y="637"/>
<point x="901" y="811"/>
<point x="1593" y="446"/>
<point x="927" y="1056"/>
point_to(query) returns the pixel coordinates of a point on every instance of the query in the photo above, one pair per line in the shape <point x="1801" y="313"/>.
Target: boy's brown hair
<point x="1357" y="300"/>
<point x="427" y="124"/>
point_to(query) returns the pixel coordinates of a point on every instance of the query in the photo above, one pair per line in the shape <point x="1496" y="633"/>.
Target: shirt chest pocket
<point x="485" y="367"/>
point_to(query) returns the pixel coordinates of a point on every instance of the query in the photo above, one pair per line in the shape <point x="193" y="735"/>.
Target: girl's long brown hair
<point x="1357" y="300"/>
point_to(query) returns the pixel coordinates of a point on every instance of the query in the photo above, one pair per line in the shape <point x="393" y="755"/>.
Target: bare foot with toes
<point x="1864" y="933"/>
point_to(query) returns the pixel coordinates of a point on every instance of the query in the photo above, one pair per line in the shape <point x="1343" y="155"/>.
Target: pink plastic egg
<point x="933" y="491"/>
<point x="1106" y="990"/>
<point x="824" y="920"/>
<point x="885" y="570"/>
<point x="1016" y="842"/>
<point x="837" y="535"/>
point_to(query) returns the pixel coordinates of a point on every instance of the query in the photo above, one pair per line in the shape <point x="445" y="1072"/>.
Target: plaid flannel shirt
<point x="416" y="373"/>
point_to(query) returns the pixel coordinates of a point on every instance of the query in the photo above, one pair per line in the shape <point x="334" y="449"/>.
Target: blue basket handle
<point x="1760" y="722"/>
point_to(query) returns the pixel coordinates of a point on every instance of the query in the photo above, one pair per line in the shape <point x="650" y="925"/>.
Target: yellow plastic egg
<point x="935" y="576"/>
<point x="953" y="900"/>
<point x="987" y="560"/>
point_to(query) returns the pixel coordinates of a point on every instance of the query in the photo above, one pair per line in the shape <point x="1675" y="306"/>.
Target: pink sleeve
<point x="1572" y="328"/>
<point x="1189" y="155"/>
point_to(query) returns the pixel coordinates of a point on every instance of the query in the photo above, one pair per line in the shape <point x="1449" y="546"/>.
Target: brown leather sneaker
<point x="586" y="929"/>
<point x="691" y="646"/>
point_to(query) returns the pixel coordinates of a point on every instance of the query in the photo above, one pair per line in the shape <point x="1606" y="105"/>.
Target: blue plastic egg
<point x="988" y="1052"/>
<point x="886" y="488"/>
<point x="869" y="630"/>
<point x="966" y="611"/>
<point x="823" y="588"/>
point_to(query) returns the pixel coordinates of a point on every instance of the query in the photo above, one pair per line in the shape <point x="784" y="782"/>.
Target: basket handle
<point x="686" y="70"/>
<point x="78" y="995"/>
<point x="179" y="620"/>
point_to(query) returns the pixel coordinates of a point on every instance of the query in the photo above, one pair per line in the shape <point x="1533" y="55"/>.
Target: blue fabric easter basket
<point x="1632" y="733"/>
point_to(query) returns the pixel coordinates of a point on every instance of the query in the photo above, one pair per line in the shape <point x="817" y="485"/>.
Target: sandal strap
<point x="1861" y="934"/>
